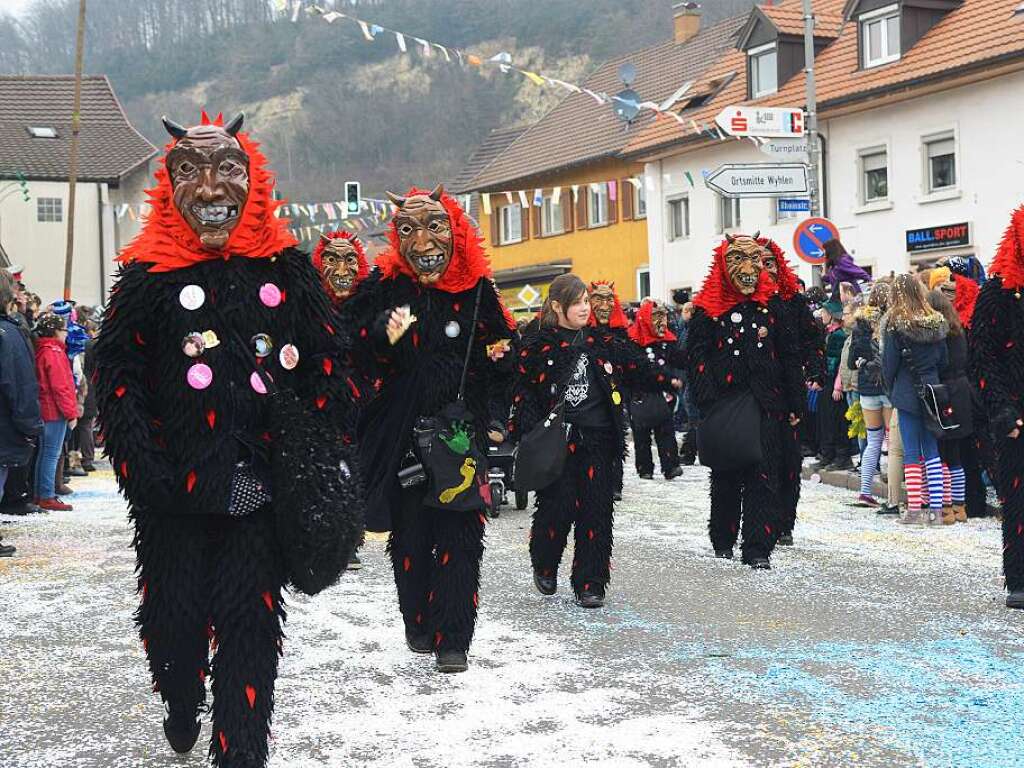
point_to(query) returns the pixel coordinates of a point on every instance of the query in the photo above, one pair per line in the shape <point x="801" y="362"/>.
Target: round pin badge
<point x="288" y="357"/>
<point x="452" y="329"/>
<point x="616" y="398"/>
<point x="256" y="382"/>
<point x="270" y="295"/>
<point x="210" y="339"/>
<point x="199" y="376"/>
<point x="608" y="368"/>
<point x="193" y="345"/>
<point x="192" y="297"/>
<point x="262" y="345"/>
<point x="736" y="317"/>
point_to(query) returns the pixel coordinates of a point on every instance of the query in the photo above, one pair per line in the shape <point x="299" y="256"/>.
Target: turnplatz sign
<point x="759" y="180"/>
<point x="767" y="122"/>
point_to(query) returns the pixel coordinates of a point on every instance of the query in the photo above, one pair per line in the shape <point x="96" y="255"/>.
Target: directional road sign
<point x="759" y="180"/>
<point x="810" y="237"/>
<point x="528" y="295"/>
<point x="769" y="122"/>
<point x="787" y="205"/>
<point x="787" y="150"/>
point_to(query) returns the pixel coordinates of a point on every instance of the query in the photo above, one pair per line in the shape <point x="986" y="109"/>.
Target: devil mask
<point x="340" y="259"/>
<point x="744" y="258"/>
<point x="424" y="234"/>
<point x="602" y="301"/>
<point x="659" y="318"/>
<point x="209" y="172"/>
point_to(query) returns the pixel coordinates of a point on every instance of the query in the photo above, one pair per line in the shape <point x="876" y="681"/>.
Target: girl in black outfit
<point x="567" y="357"/>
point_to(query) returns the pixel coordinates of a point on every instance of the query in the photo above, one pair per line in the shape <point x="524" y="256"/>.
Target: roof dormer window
<point x="764" y="70"/>
<point x="42" y="132"/>
<point x="880" y="36"/>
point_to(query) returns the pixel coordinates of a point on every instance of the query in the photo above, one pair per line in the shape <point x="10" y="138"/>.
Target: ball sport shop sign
<point x="936" y="238"/>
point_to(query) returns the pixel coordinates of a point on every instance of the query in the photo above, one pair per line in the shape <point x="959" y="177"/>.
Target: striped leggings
<point x="921" y="462"/>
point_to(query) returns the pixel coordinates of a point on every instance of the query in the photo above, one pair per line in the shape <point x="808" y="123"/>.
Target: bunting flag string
<point x="503" y="62"/>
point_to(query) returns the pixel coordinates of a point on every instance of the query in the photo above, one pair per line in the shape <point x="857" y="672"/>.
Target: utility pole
<point x="813" y="146"/>
<point x="69" y="257"/>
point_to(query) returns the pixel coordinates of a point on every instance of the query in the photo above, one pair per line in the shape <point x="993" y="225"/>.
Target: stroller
<point x="500" y="457"/>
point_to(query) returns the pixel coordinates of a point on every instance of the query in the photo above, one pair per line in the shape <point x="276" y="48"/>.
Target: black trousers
<point x="977" y="496"/>
<point x="744" y="497"/>
<point x="790" y="469"/>
<point x="581" y="498"/>
<point x="213" y="583"/>
<point x="833" y="437"/>
<point x="436" y="558"/>
<point x="668" y="451"/>
<point x="1011" y="484"/>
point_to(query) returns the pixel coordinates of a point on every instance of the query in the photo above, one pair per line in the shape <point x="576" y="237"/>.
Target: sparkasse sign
<point x="769" y="122"/>
<point x="759" y="180"/>
<point x="934" y="238"/>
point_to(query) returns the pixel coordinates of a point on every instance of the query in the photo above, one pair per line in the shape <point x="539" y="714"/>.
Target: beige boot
<point x="948" y="516"/>
<point x="960" y="511"/>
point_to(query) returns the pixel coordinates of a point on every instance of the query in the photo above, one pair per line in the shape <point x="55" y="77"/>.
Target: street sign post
<point x="767" y="122"/>
<point x="759" y="180"/>
<point x="528" y="295"/>
<point x="794" y="206"/>
<point x="787" y="150"/>
<point x="810" y="237"/>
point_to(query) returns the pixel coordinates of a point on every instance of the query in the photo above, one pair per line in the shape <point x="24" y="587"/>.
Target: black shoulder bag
<point x="539" y="458"/>
<point x="453" y="461"/>
<point x="937" y="411"/>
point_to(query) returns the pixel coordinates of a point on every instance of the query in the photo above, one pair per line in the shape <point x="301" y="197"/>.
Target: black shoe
<point x="76" y="472"/>
<point x="546" y="585"/>
<point x="181" y="730"/>
<point x="723" y="554"/>
<point x="673" y="473"/>
<point x="759" y="563"/>
<point x="1015" y="599"/>
<point x="590" y="598"/>
<point x="842" y="464"/>
<point x="88" y="467"/>
<point x="785" y="540"/>
<point x="21" y="508"/>
<point x="419" y="643"/>
<point x="888" y="509"/>
<point x="647" y="476"/>
<point x="617" y="496"/>
<point x="452" y="661"/>
<point x="64" y="490"/>
<point x="6" y="550"/>
<point x="687" y="459"/>
<point x="354" y="563"/>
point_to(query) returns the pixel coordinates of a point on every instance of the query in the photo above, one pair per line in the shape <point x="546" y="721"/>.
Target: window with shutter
<point x="626" y="191"/>
<point x="496" y="226"/>
<point x="567" y="217"/>
<point x="582" y="220"/>
<point x="527" y="215"/>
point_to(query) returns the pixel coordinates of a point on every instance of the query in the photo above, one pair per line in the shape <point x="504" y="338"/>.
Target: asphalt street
<point x="866" y="645"/>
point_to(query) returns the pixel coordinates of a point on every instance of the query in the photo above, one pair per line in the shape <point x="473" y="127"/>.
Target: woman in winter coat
<point x="58" y="405"/>
<point x="568" y="358"/>
<point x="866" y="358"/>
<point x="955" y="442"/>
<point x="913" y="352"/>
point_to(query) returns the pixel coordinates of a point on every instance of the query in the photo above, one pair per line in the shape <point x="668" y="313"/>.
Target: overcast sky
<point x="13" y="6"/>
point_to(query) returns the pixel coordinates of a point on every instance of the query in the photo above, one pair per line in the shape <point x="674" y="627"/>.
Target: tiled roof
<point x="978" y="33"/>
<point x="109" y="146"/>
<point x="789" y="20"/>
<point x="495" y="143"/>
<point x="579" y="129"/>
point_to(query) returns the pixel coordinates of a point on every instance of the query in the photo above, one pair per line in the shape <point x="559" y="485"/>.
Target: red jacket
<point x="57" y="398"/>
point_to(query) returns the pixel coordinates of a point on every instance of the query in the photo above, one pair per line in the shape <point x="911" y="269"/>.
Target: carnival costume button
<point x="452" y="329"/>
<point x="270" y="295"/>
<point x="210" y="339"/>
<point x="200" y="376"/>
<point x="193" y="345"/>
<point x="288" y="357"/>
<point x="192" y="297"/>
<point x="736" y="317"/>
<point x="616" y="398"/>
<point x="608" y="368"/>
<point x="256" y="382"/>
<point x="262" y="345"/>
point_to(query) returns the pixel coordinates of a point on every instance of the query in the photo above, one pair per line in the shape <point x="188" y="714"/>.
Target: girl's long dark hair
<point x="566" y="289"/>
<point x="942" y="304"/>
<point x="834" y="251"/>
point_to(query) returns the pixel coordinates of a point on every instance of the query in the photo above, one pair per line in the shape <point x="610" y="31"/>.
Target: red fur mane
<point x="966" y="297"/>
<point x="642" y="329"/>
<point x="1009" y="261"/>
<point x="618" y="318"/>
<point x="364" y="266"/>
<point x="786" y="280"/>
<point x="718" y="295"/>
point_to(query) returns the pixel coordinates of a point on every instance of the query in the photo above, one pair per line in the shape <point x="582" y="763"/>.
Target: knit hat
<point x="938" y="276"/>
<point x="834" y="308"/>
<point x="49" y="324"/>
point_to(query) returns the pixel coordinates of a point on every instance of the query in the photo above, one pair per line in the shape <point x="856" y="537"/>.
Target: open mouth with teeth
<point x="429" y="262"/>
<point x="747" y="281"/>
<point x="342" y="282"/>
<point x="214" y="215"/>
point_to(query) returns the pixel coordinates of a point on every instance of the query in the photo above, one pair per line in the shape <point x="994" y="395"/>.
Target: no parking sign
<point x="810" y="237"/>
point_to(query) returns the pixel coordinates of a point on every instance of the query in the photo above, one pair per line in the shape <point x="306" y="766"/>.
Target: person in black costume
<point x="738" y="344"/>
<point x="210" y="293"/>
<point x="800" y="324"/>
<point x="607" y="316"/>
<point x="413" y="317"/>
<point x="651" y="333"/>
<point x="567" y="358"/>
<point x="997" y="336"/>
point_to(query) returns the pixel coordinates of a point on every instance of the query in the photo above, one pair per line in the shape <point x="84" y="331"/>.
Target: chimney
<point x="686" y="21"/>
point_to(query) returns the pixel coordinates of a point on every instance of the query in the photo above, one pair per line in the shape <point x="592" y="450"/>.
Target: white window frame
<point x="598" y="197"/>
<point x="862" y="172"/>
<point x="552" y="217"/>
<point x="639" y="200"/>
<point x="881" y="17"/>
<point x="641" y="294"/>
<point x="505" y="217"/>
<point x="754" y="56"/>
<point x="684" y="205"/>
<point x="926" y="143"/>
<point x="733" y="207"/>
<point x="50" y="210"/>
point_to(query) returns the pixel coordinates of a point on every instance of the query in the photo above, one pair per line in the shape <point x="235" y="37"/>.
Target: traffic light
<point x="352" y="196"/>
<point x="23" y="183"/>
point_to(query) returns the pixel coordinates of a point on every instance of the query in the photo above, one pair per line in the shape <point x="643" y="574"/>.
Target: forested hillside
<point x="329" y="105"/>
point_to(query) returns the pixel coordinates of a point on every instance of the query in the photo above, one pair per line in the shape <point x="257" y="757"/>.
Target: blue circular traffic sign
<point x="810" y="237"/>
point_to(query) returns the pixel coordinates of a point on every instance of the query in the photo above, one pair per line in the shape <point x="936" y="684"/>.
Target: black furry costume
<point x="435" y="553"/>
<point x="584" y="495"/>
<point x="208" y="577"/>
<point x="664" y="356"/>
